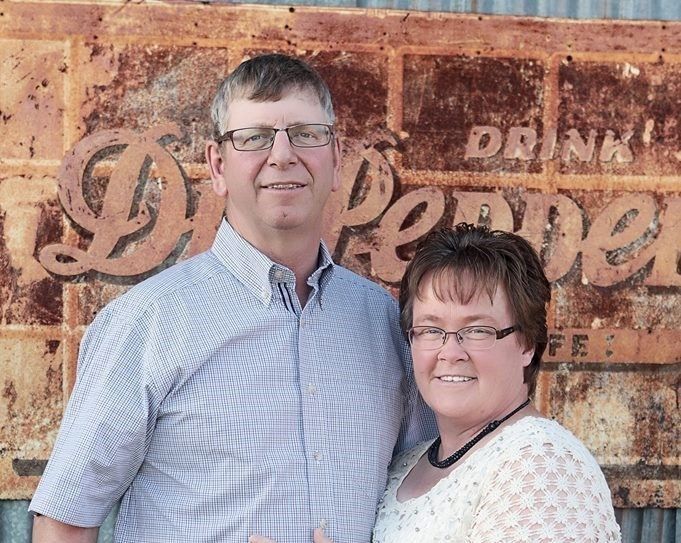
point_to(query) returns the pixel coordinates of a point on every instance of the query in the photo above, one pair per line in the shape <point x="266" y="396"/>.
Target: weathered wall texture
<point x="566" y="132"/>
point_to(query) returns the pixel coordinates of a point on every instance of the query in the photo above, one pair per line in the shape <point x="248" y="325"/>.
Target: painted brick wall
<point x="567" y="132"/>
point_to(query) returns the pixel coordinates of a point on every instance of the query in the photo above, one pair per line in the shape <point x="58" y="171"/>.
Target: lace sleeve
<point x="546" y="493"/>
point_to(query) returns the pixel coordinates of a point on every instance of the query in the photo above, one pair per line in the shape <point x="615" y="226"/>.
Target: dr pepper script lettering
<point x="134" y="229"/>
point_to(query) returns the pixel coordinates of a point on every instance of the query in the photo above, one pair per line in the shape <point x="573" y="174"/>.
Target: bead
<point x="450" y="460"/>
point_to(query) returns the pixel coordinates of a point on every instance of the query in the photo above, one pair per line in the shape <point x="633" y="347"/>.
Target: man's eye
<point x="306" y="135"/>
<point x="254" y="138"/>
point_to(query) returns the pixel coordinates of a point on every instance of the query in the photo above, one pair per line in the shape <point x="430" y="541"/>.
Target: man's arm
<point x="418" y="422"/>
<point x="48" y="530"/>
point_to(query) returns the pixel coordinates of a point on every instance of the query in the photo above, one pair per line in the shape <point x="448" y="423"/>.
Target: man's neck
<point x="298" y="251"/>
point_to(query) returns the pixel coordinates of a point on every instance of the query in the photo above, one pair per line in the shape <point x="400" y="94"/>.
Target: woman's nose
<point x="452" y="347"/>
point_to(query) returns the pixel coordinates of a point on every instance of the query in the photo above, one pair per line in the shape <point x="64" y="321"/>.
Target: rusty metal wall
<point x="601" y="64"/>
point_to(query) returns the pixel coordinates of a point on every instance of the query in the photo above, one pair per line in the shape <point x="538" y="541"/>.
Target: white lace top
<point x="533" y="482"/>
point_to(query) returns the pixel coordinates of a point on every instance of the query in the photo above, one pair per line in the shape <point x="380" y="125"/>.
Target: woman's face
<point x="469" y="388"/>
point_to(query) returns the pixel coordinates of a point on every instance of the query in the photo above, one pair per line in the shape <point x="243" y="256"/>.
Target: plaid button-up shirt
<point x="217" y="407"/>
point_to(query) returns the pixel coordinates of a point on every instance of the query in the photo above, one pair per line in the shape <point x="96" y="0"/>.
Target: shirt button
<point x="278" y="274"/>
<point x="323" y="523"/>
<point x="312" y="389"/>
<point x="317" y="456"/>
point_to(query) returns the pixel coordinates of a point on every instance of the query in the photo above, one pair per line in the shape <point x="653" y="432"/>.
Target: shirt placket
<point x="315" y="427"/>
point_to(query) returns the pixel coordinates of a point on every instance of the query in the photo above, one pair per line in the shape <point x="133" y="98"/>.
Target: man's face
<point x="283" y="188"/>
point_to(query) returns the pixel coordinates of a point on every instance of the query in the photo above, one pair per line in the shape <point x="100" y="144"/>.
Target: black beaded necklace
<point x="435" y="446"/>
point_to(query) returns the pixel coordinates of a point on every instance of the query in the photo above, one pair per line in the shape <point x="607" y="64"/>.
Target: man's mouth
<point x="455" y="378"/>
<point x="284" y="186"/>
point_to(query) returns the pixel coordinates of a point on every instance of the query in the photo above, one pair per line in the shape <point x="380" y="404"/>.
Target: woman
<point x="473" y="303"/>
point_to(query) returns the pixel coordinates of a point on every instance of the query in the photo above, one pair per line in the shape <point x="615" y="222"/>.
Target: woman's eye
<point x="479" y="332"/>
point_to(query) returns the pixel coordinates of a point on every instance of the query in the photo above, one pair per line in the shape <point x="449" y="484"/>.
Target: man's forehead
<point x="300" y="105"/>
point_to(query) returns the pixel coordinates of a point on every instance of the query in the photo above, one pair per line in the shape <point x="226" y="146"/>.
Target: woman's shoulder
<point x="540" y="434"/>
<point x="546" y="482"/>
<point x="539" y="445"/>
<point x="404" y="461"/>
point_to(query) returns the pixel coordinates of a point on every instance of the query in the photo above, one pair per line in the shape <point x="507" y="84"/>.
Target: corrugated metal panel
<point x="657" y="10"/>
<point x="650" y="525"/>
<point x="638" y="525"/>
<point x="16" y="522"/>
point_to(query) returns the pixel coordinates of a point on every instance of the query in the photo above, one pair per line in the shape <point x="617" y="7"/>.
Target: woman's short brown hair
<point x="468" y="260"/>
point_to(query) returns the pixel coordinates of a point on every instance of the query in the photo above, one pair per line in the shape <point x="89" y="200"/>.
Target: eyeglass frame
<point x="498" y="334"/>
<point x="220" y="138"/>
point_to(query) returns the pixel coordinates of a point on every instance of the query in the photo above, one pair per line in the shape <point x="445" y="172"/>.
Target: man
<point x="257" y="388"/>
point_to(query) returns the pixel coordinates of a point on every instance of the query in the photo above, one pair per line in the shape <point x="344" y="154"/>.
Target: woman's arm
<point x="546" y="494"/>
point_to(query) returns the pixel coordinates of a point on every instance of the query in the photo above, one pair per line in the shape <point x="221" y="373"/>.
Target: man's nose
<point x="282" y="153"/>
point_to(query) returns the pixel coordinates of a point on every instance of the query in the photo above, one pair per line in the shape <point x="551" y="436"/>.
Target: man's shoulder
<point x="193" y="275"/>
<point x="359" y="285"/>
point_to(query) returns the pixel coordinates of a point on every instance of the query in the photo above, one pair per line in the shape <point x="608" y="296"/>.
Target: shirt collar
<point x="322" y="275"/>
<point x="256" y="271"/>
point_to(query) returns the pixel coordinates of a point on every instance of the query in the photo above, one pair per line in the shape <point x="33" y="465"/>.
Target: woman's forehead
<point x="458" y="287"/>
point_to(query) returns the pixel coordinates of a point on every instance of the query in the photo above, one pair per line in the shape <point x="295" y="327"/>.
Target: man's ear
<point x="336" y="164"/>
<point x="527" y="357"/>
<point x="216" y="164"/>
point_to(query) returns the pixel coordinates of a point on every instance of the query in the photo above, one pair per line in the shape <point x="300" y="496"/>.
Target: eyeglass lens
<point x="302" y="135"/>
<point x="472" y="337"/>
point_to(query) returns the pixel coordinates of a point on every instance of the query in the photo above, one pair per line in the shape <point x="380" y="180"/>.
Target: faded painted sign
<point x="533" y="126"/>
<point x="632" y="231"/>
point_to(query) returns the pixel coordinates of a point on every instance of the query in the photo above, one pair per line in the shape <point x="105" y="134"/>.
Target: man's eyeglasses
<point x="261" y="138"/>
<point x="474" y="338"/>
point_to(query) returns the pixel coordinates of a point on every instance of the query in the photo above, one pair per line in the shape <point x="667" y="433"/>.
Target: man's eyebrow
<point x="297" y="122"/>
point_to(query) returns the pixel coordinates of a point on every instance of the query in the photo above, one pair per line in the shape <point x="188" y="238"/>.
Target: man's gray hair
<point x="266" y="78"/>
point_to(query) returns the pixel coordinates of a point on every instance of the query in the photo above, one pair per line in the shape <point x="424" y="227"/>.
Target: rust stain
<point x="30" y="218"/>
<point x="154" y="84"/>
<point x="9" y="392"/>
<point x="641" y="97"/>
<point x="358" y="83"/>
<point x="445" y="95"/>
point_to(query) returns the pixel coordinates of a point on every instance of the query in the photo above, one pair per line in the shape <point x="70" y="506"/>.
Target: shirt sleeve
<point x="546" y="493"/>
<point x="106" y="427"/>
